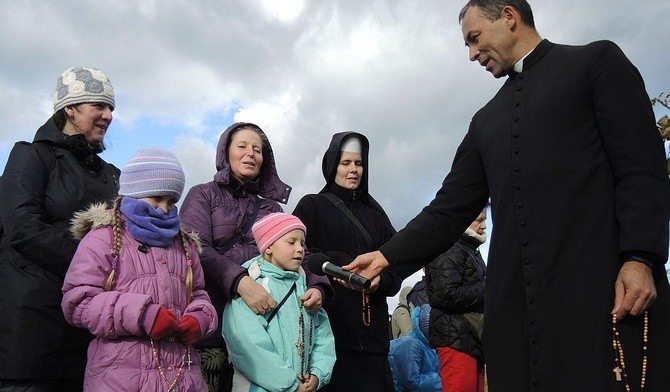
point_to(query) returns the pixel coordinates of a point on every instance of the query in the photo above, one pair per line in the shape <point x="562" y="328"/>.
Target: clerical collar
<point x="518" y="66"/>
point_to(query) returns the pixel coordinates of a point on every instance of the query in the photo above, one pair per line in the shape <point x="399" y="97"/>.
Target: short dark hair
<point x="493" y="8"/>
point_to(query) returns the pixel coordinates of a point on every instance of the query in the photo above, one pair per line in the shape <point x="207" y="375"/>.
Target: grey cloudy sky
<point x="396" y="71"/>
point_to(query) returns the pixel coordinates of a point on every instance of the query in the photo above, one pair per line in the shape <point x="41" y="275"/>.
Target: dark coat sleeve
<point x="439" y="225"/>
<point x="633" y="147"/>
<point x="26" y="224"/>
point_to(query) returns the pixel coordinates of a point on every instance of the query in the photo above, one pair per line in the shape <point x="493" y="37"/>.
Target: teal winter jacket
<point x="266" y="354"/>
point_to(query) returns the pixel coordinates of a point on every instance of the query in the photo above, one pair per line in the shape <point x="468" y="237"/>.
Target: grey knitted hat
<point x="81" y="85"/>
<point x="152" y="172"/>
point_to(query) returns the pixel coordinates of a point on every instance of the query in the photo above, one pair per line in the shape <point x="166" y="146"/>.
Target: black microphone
<point x="321" y="265"/>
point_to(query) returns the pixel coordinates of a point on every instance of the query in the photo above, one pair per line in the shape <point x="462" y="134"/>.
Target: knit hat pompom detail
<point x="152" y="172"/>
<point x="272" y="227"/>
<point x="82" y="85"/>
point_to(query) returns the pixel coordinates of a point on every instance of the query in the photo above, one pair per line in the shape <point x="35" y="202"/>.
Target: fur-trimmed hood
<point x="98" y="215"/>
<point x="95" y="216"/>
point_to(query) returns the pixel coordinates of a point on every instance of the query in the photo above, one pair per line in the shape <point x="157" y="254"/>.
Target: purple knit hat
<point x="272" y="227"/>
<point x="152" y="172"/>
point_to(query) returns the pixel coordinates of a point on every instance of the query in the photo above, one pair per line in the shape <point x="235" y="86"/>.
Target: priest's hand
<point x="369" y="265"/>
<point x="634" y="290"/>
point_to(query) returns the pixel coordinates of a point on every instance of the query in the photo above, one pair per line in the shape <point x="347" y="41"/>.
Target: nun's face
<point x="349" y="170"/>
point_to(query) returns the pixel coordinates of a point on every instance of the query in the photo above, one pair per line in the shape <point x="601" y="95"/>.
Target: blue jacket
<point x="265" y="355"/>
<point x="414" y="365"/>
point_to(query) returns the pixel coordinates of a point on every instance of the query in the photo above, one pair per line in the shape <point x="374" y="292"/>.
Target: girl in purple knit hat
<point x="136" y="284"/>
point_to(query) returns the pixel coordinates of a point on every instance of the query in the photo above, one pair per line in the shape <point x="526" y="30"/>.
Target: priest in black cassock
<point x="570" y="156"/>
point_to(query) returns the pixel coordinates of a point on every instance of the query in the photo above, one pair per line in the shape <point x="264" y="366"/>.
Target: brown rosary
<point x="619" y="363"/>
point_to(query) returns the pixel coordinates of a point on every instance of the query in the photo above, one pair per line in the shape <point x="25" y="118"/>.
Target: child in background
<point x="136" y="284"/>
<point x="414" y="364"/>
<point x="286" y="349"/>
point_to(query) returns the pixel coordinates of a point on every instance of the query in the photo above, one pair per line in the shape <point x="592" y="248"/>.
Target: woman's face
<point x="349" y="170"/>
<point x="245" y="154"/>
<point x="89" y="119"/>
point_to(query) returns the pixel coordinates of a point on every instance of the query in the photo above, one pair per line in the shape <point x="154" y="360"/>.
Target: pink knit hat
<point x="270" y="228"/>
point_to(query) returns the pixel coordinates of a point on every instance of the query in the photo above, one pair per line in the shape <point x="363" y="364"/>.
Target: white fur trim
<point x="473" y="234"/>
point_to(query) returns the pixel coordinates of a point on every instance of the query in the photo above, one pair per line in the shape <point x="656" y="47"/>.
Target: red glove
<point x="189" y="330"/>
<point x="164" y="325"/>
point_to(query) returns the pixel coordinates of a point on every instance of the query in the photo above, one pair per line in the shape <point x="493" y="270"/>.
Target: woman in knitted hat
<point x="43" y="184"/>
<point x="136" y="283"/>
<point x="246" y="187"/>
<point x="289" y="348"/>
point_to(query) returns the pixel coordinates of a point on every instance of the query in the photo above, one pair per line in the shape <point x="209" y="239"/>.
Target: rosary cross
<point x="188" y="359"/>
<point x="299" y="345"/>
<point x="617" y="371"/>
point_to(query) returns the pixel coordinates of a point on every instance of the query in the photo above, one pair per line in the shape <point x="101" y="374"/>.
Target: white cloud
<point x="395" y="71"/>
<point x="283" y="10"/>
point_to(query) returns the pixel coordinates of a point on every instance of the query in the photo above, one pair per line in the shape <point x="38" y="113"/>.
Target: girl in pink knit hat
<point x="288" y="348"/>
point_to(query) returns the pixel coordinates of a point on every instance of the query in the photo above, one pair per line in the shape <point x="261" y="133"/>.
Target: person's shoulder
<point x="23" y="152"/>
<point x="96" y="217"/>
<point x="602" y="45"/>
<point x="592" y="48"/>
<point x="456" y="252"/>
<point x="309" y="199"/>
<point x="111" y="167"/>
<point x="311" y="196"/>
<point x="207" y="189"/>
<point x="273" y="205"/>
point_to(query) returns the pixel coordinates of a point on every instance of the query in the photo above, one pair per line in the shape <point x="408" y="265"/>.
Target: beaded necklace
<point x="619" y="363"/>
<point x="186" y="359"/>
<point x="304" y="354"/>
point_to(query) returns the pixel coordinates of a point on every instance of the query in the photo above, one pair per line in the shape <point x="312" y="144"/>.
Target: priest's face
<point x="489" y="42"/>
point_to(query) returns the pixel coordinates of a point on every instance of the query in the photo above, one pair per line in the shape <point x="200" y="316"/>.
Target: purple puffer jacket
<point x="121" y="358"/>
<point x="218" y="209"/>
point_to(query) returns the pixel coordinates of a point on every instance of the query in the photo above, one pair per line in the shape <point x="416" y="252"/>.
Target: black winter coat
<point x="331" y="232"/>
<point x="570" y="156"/>
<point x="455" y="282"/>
<point x="38" y="196"/>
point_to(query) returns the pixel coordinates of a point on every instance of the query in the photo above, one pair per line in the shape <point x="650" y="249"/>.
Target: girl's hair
<point x="116" y="250"/>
